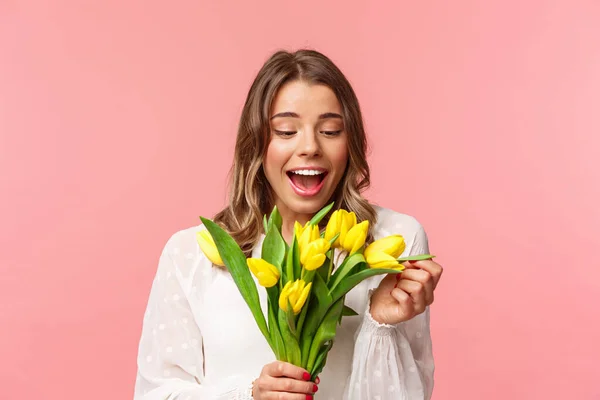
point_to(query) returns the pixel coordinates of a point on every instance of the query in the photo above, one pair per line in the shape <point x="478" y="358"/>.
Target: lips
<point x="307" y="181"/>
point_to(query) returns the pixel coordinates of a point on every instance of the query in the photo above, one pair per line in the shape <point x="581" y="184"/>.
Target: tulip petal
<point x="252" y="264"/>
<point x="208" y="247"/>
<point x="333" y="225"/>
<point x="355" y="238"/>
<point x="381" y="260"/>
<point x="313" y="255"/>
<point x="266" y="273"/>
<point x="302" y="298"/>
<point x="314" y="262"/>
<point x="297" y="229"/>
<point x="267" y="280"/>
<point x="294" y="294"/>
<point x="283" y="297"/>
<point x="392" y="245"/>
<point x="358" y="243"/>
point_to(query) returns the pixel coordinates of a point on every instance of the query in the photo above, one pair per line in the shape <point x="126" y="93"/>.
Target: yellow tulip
<point x="312" y="256"/>
<point x="333" y="225"/>
<point x="306" y="234"/>
<point x="298" y="229"/>
<point x="382" y="253"/>
<point x="296" y="293"/>
<point x="208" y="247"/>
<point x="341" y="222"/>
<point x="266" y="273"/>
<point x="355" y="238"/>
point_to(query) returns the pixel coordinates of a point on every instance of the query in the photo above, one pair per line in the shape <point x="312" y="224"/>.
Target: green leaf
<point x="308" y="276"/>
<point x="350" y="281"/>
<point x="273" y="296"/>
<point x="325" y="269"/>
<point x="291" y="319"/>
<point x="275" y="219"/>
<point x="273" y="248"/>
<point x="302" y="316"/>
<point x="289" y="266"/>
<point x="345" y="269"/>
<point x="416" y="258"/>
<point x="296" y="260"/>
<point x="325" y="333"/>
<point x="265" y="222"/>
<point x="348" y="312"/>
<point x="283" y="280"/>
<point x="321" y="214"/>
<point x="277" y="340"/>
<point x="319" y="289"/>
<point x="320" y="303"/>
<point x="235" y="261"/>
<point x="321" y="359"/>
<point x="292" y="349"/>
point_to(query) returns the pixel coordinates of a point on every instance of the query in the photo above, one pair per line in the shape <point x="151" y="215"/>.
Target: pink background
<point x="117" y="124"/>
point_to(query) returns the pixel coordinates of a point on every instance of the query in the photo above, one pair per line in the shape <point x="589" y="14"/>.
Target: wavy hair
<point x="250" y="195"/>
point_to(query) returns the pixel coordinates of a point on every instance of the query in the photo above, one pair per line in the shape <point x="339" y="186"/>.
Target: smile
<point x="307" y="182"/>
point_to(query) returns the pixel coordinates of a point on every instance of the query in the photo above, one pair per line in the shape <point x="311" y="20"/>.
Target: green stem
<point x="325" y="333"/>
<point x="292" y="348"/>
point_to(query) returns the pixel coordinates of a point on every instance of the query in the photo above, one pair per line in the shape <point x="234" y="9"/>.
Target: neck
<point x="288" y="218"/>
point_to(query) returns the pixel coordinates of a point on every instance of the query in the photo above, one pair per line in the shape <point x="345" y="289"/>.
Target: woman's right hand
<point x="283" y="381"/>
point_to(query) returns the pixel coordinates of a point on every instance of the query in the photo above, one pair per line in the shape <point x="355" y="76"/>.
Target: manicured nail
<point x="315" y="388"/>
<point x="306" y="376"/>
<point x="309" y="397"/>
<point x="318" y="380"/>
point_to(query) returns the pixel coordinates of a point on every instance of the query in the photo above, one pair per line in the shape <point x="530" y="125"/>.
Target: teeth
<point x="307" y="172"/>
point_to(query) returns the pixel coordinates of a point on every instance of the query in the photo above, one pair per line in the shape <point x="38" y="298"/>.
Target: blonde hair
<point x="250" y="194"/>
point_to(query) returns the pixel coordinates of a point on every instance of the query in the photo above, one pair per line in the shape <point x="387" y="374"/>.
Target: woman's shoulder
<point x="184" y="239"/>
<point x="391" y="221"/>
<point x="183" y="251"/>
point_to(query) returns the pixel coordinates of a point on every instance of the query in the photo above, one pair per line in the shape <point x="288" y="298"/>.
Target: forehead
<point x="305" y="99"/>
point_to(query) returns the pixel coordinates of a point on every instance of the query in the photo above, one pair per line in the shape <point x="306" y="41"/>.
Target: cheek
<point x="339" y="155"/>
<point x="274" y="159"/>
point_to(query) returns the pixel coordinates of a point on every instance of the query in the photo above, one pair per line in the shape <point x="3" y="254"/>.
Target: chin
<point x="308" y="206"/>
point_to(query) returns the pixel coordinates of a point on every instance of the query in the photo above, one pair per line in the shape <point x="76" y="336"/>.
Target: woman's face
<point x="307" y="153"/>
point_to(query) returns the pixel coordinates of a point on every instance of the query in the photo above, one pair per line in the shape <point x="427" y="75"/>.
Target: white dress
<point x="200" y="342"/>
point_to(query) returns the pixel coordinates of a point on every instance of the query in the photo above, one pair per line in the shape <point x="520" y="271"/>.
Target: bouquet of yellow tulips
<point x="305" y="295"/>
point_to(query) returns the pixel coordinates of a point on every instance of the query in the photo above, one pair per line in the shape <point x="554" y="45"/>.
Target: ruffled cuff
<point x="374" y="327"/>
<point x="247" y="394"/>
<point x="241" y="391"/>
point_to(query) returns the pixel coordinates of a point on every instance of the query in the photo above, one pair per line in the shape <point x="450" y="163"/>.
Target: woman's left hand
<point x="400" y="297"/>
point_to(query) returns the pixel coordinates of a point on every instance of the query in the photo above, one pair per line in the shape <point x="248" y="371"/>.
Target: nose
<point x="308" y="144"/>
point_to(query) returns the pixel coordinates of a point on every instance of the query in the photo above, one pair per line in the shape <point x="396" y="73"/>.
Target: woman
<point x="300" y="145"/>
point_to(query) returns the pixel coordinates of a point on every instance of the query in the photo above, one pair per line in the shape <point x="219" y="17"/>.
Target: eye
<point x="284" y="133"/>
<point x="331" y="133"/>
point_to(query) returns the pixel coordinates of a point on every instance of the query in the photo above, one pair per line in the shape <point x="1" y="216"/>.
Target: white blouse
<point x="200" y="342"/>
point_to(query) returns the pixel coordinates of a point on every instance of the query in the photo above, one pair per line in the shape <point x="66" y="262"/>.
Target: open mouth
<point x="307" y="181"/>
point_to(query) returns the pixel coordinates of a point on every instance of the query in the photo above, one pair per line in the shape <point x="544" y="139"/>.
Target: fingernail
<point x="318" y="380"/>
<point x="315" y="388"/>
<point x="309" y="397"/>
<point x="306" y="376"/>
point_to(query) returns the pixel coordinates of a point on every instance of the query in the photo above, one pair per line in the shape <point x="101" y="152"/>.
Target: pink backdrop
<point x="117" y="124"/>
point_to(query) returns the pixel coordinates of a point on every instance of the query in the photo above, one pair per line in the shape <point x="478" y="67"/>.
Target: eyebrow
<point x="294" y="115"/>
